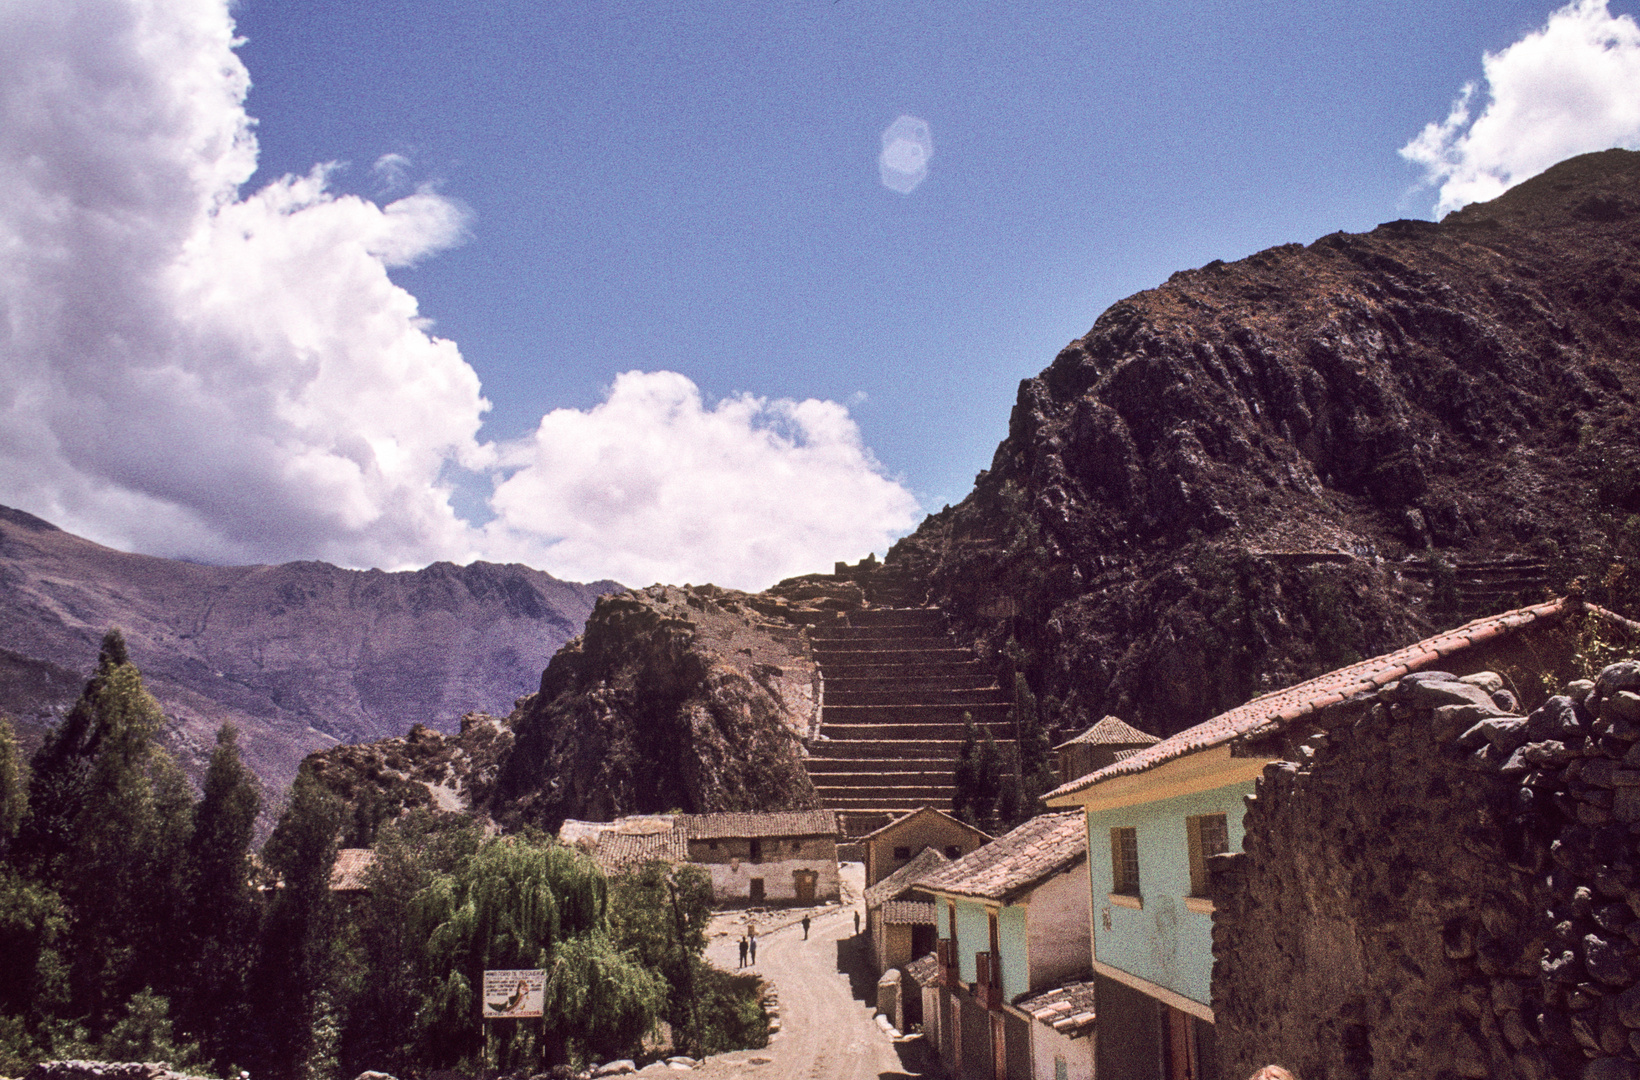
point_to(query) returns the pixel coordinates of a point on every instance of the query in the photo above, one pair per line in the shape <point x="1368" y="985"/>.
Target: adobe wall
<point x="733" y="880"/>
<point x="1049" y="1048"/>
<point x="1435" y="888"/>
<point x="927" y="831"/>
<point x="1060" y="940"/>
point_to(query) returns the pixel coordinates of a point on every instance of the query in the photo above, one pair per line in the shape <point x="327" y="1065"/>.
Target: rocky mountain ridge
<point x="1257" y="472"/>
<point x="1261" y="470"/>
<point x="300" y="656"/>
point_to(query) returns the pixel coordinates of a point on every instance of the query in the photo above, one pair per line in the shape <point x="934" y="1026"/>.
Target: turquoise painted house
<point x="1157" y="815"/>
<point x="1012" y="918"/>
<point x="1149" y="837"/>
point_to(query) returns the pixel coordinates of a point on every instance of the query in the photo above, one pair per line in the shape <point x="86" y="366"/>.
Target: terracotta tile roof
<point x="1111" y="731"/>
<point x="573" y="831"/>
<point x="1067" y="1009"/>
<point x="903" y="818"/>
<point x="615" y="851"/>
<point x="924" y="970"/>
<point x="909" y="911"/>
<point x="348" y="871"/>
<point x="735" y="826"/>
<point x="1283" y="706"/>
<point x="1017" y="862"/>
<point x="924" y="863"/>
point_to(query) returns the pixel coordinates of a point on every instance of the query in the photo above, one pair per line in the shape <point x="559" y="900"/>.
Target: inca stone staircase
<point x="896" y="687"/>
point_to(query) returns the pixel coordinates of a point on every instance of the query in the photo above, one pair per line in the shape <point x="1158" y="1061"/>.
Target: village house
<point x="1063" y="1040"/>
<point x="1012" y="919"/>
<point x="1159" y="821"/>
<point x="348" y="872"/>
<point x="629" y="842"/>
<point x="901" y="840"/>
<point x="899" y="926"/>
<point x="780" y="857"/>
<point x="777" y="857"/>
<point x="1109" y="741"/>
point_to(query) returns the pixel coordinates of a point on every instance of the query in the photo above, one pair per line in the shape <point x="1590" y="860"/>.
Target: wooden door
<point x="1181" y="1057"/>
<point x="803" y="883"/>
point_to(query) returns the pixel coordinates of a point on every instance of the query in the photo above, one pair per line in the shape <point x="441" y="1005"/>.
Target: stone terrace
<point x="891" y="724"/>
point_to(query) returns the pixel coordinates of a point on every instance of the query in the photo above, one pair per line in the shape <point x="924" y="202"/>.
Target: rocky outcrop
<point x="691" y="699"/>
<point x="379" y="781"/>
<point x="300" y="656"/>
<point x="1261" y="470"/>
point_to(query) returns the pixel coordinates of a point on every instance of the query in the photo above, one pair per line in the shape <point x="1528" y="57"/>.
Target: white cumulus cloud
<point x="1571" y="87"/>
<point x="190" y="369"/>
<point x="652" y="485"/>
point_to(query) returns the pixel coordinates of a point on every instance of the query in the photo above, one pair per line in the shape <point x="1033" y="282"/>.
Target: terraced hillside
<point x="896" y="688"/>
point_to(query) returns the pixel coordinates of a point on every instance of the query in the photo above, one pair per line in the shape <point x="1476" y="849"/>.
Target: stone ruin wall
<point x="1437" y="887"/>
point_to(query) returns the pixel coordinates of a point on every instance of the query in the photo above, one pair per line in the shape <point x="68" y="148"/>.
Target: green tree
<point x="13" y="788"/>
<point x="522" y="904"/>
<point x="962" y="780"/>
<point x="1030" y="771"/>
<point x="286" y="985"/>
<point x="223" y="912"/>
<point x="144" y="1034"/>
<point x="659" y="914"/>
<point x="979" y="778"/>
<point x="35" y="988"/>
<point x="382" y="993"/>
<point x="108" y="821"/>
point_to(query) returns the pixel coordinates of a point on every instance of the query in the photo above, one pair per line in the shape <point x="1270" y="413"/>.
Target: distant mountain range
<point x="299" y="656"/>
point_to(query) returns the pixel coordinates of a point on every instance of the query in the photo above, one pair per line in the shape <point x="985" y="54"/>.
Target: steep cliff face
<point x="1260" y="470"/>
<point x="693" y="699"/>
<point x="300" y="656"/>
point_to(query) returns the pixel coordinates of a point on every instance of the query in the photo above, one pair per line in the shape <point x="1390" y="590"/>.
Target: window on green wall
<point x="1124" y="861"/>
<point x="1209" y="835"/>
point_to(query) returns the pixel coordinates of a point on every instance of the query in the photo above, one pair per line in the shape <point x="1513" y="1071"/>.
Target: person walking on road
<point x="742" y="952"/>
<point x="754" y="951"/>
<point x="805" y="928"/>
<point x="856" y="922"/>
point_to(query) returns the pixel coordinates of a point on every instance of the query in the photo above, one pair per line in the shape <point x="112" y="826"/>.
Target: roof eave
<point x="1012" y="894"/>
<point x="1201" y="770"/>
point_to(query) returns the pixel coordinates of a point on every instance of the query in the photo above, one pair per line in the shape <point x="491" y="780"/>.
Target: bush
<point x="731" y="1014"/>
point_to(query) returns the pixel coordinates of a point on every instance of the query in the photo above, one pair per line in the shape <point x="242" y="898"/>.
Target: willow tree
<point x="519" y="904"/>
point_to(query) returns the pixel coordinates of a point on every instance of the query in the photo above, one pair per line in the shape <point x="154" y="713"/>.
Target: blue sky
<point x="529" y="200"/>
<point x="694" y="187"/>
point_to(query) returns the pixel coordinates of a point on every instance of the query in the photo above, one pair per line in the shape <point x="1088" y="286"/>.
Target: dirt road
<point x="827" y="1031"/>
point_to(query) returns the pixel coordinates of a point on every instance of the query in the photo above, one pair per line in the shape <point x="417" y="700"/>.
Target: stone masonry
<point x="1437" y="887"/>
<point x="897" y="686"/>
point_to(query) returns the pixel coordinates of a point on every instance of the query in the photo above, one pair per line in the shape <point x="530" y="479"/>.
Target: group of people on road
<point x="748" y="940"/>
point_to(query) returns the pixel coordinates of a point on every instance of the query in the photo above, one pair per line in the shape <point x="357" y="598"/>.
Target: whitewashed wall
<point x="732" y="881"/>
<point x="1059" y="936"/>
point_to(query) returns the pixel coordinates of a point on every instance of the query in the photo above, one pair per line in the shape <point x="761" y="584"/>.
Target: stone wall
<point x="105" y="1070"/>
<point x="1432" y="886"/>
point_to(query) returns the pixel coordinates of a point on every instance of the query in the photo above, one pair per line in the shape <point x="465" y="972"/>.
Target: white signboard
<point x="514" y="995"/>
